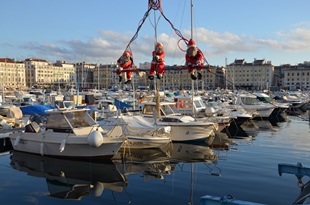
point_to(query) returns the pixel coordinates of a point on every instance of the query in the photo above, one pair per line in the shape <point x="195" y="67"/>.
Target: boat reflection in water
<point x="70" y="179"/>
<point x="151" y="163"/>
<point x="5" y="146"/>
<point x="156" y="163"/>
<point x="184" y="152"/>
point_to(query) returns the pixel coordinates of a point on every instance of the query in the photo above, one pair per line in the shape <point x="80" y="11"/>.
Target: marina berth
<point x="68" y="133"/>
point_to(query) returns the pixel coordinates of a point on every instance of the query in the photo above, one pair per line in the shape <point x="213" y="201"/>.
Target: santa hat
<point x="127" y="52"/>
<point x="160" y="45"/>
<point x="191" y="43"/>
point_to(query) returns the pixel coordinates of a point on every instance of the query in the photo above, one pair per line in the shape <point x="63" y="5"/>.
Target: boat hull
<point x="182" y="132"/>
<point x="54" y="145"/>
<point x="136" y="142"/>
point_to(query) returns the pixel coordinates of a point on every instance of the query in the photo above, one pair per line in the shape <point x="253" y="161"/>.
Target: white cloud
<point x="110" y="45"/>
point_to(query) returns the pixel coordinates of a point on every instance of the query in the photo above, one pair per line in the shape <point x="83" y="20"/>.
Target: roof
<point x="7" y="60"/>
<point x="259" y="62"/>
<point x="35" y="59"/>
<point x="239" y="61"/>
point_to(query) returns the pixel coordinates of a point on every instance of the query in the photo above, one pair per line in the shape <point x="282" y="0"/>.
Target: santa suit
<point x="126" y="65"/>
<point x="194" y="61"/>
<point x="158" y="63"/>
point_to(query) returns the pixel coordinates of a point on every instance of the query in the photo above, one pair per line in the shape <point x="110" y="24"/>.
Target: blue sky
<point x="99" y="30"/>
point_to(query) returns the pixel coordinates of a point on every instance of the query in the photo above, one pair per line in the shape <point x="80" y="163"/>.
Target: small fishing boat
<point x="68" y="133"/>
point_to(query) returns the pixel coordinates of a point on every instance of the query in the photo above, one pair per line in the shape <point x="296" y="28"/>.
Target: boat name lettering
<point x="135" y="143"/>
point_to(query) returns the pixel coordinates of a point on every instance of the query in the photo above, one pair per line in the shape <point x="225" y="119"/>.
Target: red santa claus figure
<point x="125" y="63"/>
<point x="194" y="59"/>
<point x="158" y="63"/>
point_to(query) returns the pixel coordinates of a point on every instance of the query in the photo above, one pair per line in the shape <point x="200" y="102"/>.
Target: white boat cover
<point x="136" y="125"/>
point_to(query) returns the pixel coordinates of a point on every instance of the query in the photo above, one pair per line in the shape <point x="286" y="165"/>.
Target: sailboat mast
<point x="192" y="31"/>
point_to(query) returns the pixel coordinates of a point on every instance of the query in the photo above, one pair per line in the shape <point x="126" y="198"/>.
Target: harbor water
<point x="247" y="171"/>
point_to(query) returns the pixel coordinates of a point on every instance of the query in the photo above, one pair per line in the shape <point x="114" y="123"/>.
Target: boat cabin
<point x="184" y="104"/>
<point x="166" y="108"/>
<point x="248" y="99"/>
<point x="263" y="97"/>
<point x="69" y="120"/>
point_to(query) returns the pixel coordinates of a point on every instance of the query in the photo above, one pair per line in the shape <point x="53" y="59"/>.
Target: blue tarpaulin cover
<point x="35" y="109"/>
<point x="120" y="105"/>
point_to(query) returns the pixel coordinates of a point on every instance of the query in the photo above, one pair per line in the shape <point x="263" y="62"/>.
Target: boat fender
<point x="62" y="145"/>
<point x="16" y="141"/>
<point x="95" y="139"/>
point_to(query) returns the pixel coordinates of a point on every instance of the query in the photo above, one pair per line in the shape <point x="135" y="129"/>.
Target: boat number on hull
<point x="135" y="143"/>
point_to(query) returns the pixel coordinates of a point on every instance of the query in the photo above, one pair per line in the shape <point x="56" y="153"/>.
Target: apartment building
<point x="40" y="72"/>
<point x="104" y="76"/>
<point x="12" y="73"/>
<point x="256" y="75"/>
<point x="296" y="77"/>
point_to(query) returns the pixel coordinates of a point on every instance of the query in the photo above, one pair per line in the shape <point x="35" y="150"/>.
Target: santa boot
<point x="159" y="76"/>
<point x="199" y="75"/>
<point x="151" y="77"/>
<point x="193" y="77"/>
<point x="128" y="81"/>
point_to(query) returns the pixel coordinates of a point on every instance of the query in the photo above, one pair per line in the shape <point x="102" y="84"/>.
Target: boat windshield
<point x="250" y="101"/>
<point x="76" y="119"/>
<point x="169" y="95"/>
<point x="264" y="99"/>
<point x="169" y="109"/>
<point x="213" y="104"/>
<point x="199" y="103"/>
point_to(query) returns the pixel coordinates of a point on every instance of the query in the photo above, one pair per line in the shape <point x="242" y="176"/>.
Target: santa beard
<point x="124" y="59"/>
<point x="159" y="50"/>
<point x="191" y="52"/>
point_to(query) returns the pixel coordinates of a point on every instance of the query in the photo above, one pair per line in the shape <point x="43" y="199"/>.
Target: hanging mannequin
<point x="158" y="62"/>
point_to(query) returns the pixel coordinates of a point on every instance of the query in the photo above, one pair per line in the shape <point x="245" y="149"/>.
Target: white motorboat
<point x="69" y="133"/>
<point x="250" y="103"/>
<point x="183" y="128"/>
<point x="280" y="107"/>
<point x="194" y="106"/>
<point x="139" y="132"/>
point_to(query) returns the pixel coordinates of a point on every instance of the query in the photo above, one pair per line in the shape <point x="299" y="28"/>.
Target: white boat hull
<point x="53" y="144"/>
<point x="262" y="112"/>
<point x="182" y="132"/>
<point x="136" y="142"/>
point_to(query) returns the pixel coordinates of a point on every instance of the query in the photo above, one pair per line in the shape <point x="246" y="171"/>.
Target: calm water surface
<point x="248" y="171"/>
